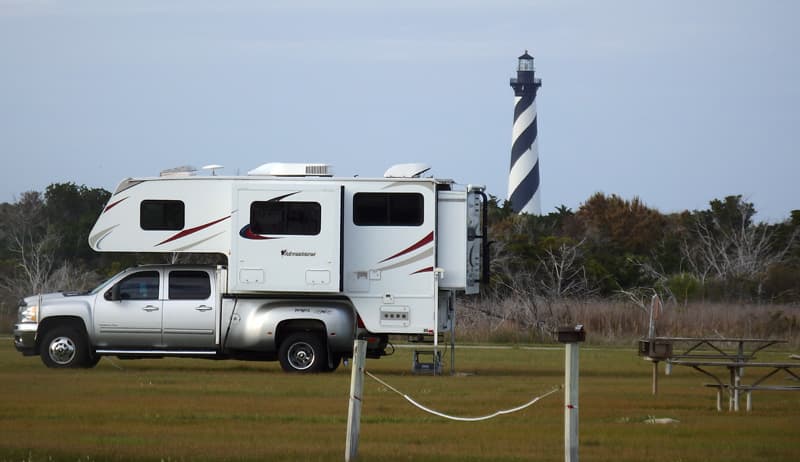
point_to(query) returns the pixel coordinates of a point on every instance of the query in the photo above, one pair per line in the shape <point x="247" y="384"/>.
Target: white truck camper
<point x="313" y="262"/>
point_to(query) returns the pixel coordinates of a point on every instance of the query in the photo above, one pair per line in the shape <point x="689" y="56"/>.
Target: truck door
<point x="189" y="310"/>
<point x="129" y="314"/>
<point x="288" y="238"/>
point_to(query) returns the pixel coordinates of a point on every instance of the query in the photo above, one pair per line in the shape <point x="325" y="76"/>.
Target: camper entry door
<point x="287" y="238"/>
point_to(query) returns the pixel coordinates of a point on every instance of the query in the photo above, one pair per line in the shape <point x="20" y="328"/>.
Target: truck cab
<point x="143" y="309"/>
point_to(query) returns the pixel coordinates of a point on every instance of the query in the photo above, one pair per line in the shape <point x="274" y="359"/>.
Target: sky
<point x="674" y="102"/>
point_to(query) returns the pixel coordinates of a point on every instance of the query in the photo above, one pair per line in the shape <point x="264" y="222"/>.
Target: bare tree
<point x="658" y="275"/>
<point x="740" y="250"/>
<point x="32" y="245"/>
<point x="562" y="274"/>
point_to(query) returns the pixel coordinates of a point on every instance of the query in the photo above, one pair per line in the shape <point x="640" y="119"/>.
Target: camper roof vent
<point x="406" y="170"/>
<point x="183" y="170"/>
<point x="213" y="168"/>
<point x="292" y="169"/>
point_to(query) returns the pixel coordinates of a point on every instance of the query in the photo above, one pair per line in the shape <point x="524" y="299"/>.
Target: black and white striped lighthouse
<point x="523" y="176"/>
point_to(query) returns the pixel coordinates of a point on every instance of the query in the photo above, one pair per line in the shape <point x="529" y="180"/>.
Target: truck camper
<point x="313" y="261"/>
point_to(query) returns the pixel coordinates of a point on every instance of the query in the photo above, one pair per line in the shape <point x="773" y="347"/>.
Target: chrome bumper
<point x="25" y="338"/>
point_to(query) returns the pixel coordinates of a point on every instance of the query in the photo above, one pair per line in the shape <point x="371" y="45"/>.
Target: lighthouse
<point x="523" y="176"/>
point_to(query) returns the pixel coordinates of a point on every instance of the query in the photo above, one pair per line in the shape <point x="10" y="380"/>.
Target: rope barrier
<point x="461" y="419"/>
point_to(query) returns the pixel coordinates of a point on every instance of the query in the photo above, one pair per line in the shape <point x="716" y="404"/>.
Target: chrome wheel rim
<point x="301" y="356"/>
<point x="62" y="350"/>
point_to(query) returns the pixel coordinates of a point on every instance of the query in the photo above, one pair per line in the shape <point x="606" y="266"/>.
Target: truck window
<point x="139" y="286"/>
<point x="189" y="285"/>
<point x="388" y="209"/>
<point x="286" y="218"/>
<point x="161" y="215"/>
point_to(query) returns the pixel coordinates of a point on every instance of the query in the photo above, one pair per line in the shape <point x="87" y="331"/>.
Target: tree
<point x="70" y="212"/>
<point x="29" y="244"/>
<point x="618" y="234"/>
<point x="561" y="272"/>
<point x="727" y="247"/>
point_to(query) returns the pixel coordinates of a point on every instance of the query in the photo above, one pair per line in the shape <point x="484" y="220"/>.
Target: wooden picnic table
<point x="701" y="353"/>
<point x="692" y="347"/>
<point x="734" y="383"/>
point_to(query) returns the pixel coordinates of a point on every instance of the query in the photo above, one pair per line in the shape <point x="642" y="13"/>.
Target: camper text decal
<point x="292" y="253"/>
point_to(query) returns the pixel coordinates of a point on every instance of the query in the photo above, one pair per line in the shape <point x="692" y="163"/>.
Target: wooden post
<point x="354" y="408"/>
<point x="571" y="403"/>
<point x="655" y="378"/>
<point x="571" y="337"/>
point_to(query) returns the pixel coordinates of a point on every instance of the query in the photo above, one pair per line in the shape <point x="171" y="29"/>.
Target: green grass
<point x="182" y="409"/>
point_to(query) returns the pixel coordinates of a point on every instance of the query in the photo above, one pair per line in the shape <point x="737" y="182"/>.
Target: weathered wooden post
<point x="354" y="408"/>
<point x="571" y="337"/>
<point x="655" y="351"/>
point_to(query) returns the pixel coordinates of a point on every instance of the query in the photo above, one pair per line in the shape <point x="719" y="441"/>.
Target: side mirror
<point x="112" y="294"/>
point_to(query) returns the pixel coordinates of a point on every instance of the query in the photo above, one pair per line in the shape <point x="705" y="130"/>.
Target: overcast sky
<point x="677" y="102"/>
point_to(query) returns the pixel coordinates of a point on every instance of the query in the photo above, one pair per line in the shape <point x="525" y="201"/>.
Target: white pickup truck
<point x="169" y="310"/>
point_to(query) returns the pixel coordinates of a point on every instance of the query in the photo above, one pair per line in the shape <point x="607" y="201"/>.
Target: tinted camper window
<point x="189" y="285"/>
<point x="295" y="218"/>
<point x="161" y="215"/>
<point x="388" y="209"/>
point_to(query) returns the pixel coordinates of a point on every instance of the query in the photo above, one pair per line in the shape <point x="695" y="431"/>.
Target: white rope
<point x="461" y="419"/>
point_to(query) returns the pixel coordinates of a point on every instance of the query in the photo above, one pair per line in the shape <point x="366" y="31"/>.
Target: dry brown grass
<point x="180" y="409"/>
<point x="622" y="323"/>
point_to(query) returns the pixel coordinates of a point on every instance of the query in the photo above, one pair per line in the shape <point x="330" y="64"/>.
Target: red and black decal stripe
<point x="112" y="205"/>
<point x="189" y="231"/>
<point x="425" y="240"/>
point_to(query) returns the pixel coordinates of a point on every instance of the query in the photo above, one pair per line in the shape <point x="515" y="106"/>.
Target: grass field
<point x="182" y="409"/>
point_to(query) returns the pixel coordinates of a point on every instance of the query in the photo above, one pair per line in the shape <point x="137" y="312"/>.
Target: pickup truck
<point x="170" y="310"/>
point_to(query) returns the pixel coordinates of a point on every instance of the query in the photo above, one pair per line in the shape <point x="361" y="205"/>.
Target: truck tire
<point x="63" y="347"/>
<point x="92" y="360"/>
<point x="303" y="352"/>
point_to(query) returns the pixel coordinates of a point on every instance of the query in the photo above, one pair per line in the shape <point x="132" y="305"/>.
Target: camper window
<point x="287" y="218"/>
<point x="388" y="209"/>
<point x="189" y="285"/>
<point x="161" y="215"/>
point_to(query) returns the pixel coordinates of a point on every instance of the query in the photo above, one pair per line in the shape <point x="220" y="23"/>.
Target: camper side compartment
<point x="451" y="246"/>
<point x="461" y="240"/>
<point x="390" y="244"/>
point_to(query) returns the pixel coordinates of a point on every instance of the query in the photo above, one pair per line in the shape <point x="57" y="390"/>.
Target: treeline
<point x="716" y="272"/>
<point x="613" y="246"/>
<point x="608" y="247"/>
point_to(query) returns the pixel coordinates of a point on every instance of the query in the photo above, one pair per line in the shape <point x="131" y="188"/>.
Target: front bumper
<point x="25" y="338"/>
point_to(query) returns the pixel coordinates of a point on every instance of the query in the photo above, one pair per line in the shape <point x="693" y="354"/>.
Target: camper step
<point x="427" y="362"/>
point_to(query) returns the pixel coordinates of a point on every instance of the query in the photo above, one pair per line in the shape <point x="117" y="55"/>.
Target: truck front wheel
<point x="303" y="352"/>
<point x="63" y="347"/>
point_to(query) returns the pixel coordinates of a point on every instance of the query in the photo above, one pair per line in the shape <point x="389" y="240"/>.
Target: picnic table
<point x="712" y="356"/>
<point x="735" y="384"/>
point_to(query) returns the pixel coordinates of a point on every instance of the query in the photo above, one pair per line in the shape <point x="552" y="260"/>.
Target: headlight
<point x="29" y="313"/>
